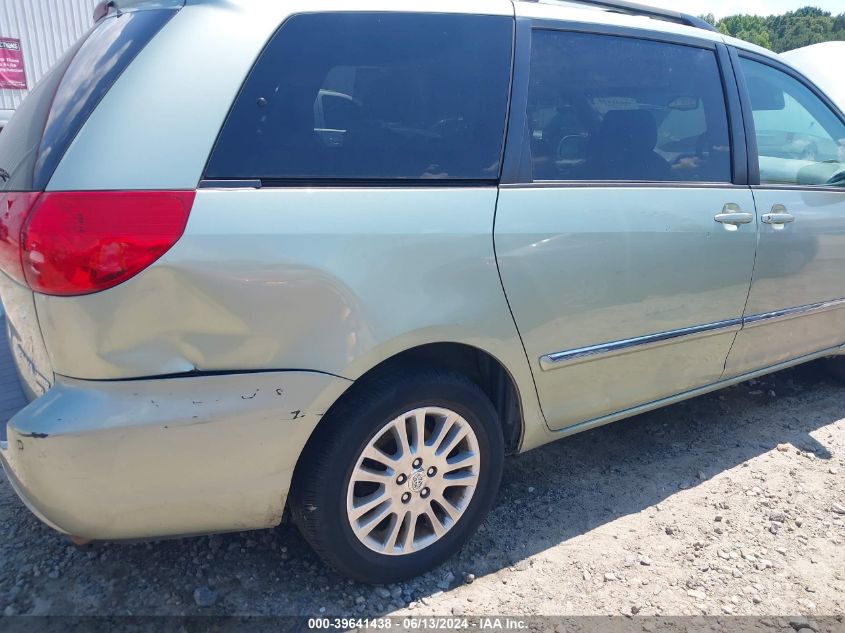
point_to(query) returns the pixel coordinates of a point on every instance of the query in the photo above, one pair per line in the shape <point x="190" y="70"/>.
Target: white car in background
<point x="802" y="147"/>
<point x="822" y="63"/>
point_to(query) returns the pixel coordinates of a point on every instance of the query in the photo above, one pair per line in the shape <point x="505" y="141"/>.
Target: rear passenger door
<point x="625" y="230"/>
<point x="797" y="301"/>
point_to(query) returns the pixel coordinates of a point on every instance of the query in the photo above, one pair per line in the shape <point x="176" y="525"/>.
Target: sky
<point x="722" y="8"/>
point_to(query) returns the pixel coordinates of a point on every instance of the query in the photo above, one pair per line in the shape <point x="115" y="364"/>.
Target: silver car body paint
<point x="640" y="261"/>
<point x="25" y="340"/>
<point x="797" y="265"/>
<point x="291" y="278"/>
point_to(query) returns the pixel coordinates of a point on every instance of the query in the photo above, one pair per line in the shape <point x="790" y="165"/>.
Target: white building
<point x="33" y="36"/>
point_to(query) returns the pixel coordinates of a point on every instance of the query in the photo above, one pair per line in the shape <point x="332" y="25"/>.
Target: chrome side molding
<point x="656" y="404"/>
<point x="791" y="313"/>
<point x="617" y="348"/>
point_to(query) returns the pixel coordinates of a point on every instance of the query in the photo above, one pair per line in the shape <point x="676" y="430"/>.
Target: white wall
<point x="46" y="28"/>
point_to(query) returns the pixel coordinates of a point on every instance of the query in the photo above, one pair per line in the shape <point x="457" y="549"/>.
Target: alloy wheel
<point x="413" y="481"/>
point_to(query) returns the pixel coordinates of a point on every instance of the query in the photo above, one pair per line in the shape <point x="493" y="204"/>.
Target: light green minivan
<point x="334" y="261"/>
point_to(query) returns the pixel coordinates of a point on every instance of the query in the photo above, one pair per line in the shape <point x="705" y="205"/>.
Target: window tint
<point x="373" y="96"/>
<point x="603" y="107"/>
<point x="800" y="140"/>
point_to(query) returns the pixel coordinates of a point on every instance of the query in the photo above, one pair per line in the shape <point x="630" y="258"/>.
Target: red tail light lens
<point x="14" y="209"/>
<point x="81" y="242"/>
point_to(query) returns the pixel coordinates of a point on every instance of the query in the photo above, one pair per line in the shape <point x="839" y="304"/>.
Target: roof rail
<point x="635" y="8"/>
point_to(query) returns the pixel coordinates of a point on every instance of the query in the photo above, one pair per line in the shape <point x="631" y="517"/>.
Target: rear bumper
<point x="165" y="457"/>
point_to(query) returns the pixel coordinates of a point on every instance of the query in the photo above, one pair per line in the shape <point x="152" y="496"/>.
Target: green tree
<point x="709" y="18"/>
<point x="839" y="27"/>
<point x="751" y="28"/>
<point x="805" y="26"/>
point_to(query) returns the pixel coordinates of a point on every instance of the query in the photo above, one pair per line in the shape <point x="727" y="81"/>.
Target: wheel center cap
<point x="416" y="481"/>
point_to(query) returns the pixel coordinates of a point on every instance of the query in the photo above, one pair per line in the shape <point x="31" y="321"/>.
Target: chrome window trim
<point x="616" y="348"/>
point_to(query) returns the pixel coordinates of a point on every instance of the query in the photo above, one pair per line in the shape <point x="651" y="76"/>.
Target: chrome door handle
<point x="738" y="217"/>
<point x="778" y="217"/>
<point x="732" y="216"/>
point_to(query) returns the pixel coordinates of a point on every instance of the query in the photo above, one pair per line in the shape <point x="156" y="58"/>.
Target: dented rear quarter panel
<point x="25" y="341"/>
<point x="328" y="280"/>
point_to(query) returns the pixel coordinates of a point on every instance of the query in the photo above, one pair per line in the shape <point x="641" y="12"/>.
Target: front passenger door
<point x="797" y="301"/>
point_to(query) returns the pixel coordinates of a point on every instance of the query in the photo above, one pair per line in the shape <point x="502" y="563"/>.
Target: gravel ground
<point x="731" y="503"/>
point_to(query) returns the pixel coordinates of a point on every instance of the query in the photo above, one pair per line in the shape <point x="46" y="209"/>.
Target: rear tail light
<point x="74" y="243"/>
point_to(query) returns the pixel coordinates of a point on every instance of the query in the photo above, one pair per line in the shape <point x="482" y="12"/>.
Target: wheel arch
<point x="479" y="366"/>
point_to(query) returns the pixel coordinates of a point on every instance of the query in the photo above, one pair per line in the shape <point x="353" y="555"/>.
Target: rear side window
<point x="372" y="96"/>
<point x="610" y="108"/>
<point x="48" y="120"/>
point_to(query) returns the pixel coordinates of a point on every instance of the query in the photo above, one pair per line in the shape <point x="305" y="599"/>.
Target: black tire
<point x="318" y="495"/>
<point x="836" y="366"/>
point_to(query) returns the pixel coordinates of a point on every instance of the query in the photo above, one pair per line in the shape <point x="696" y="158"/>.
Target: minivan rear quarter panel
<point x="296" y="278"/>
<point x="312" y="276"/>
<point x="25" y="341"/>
